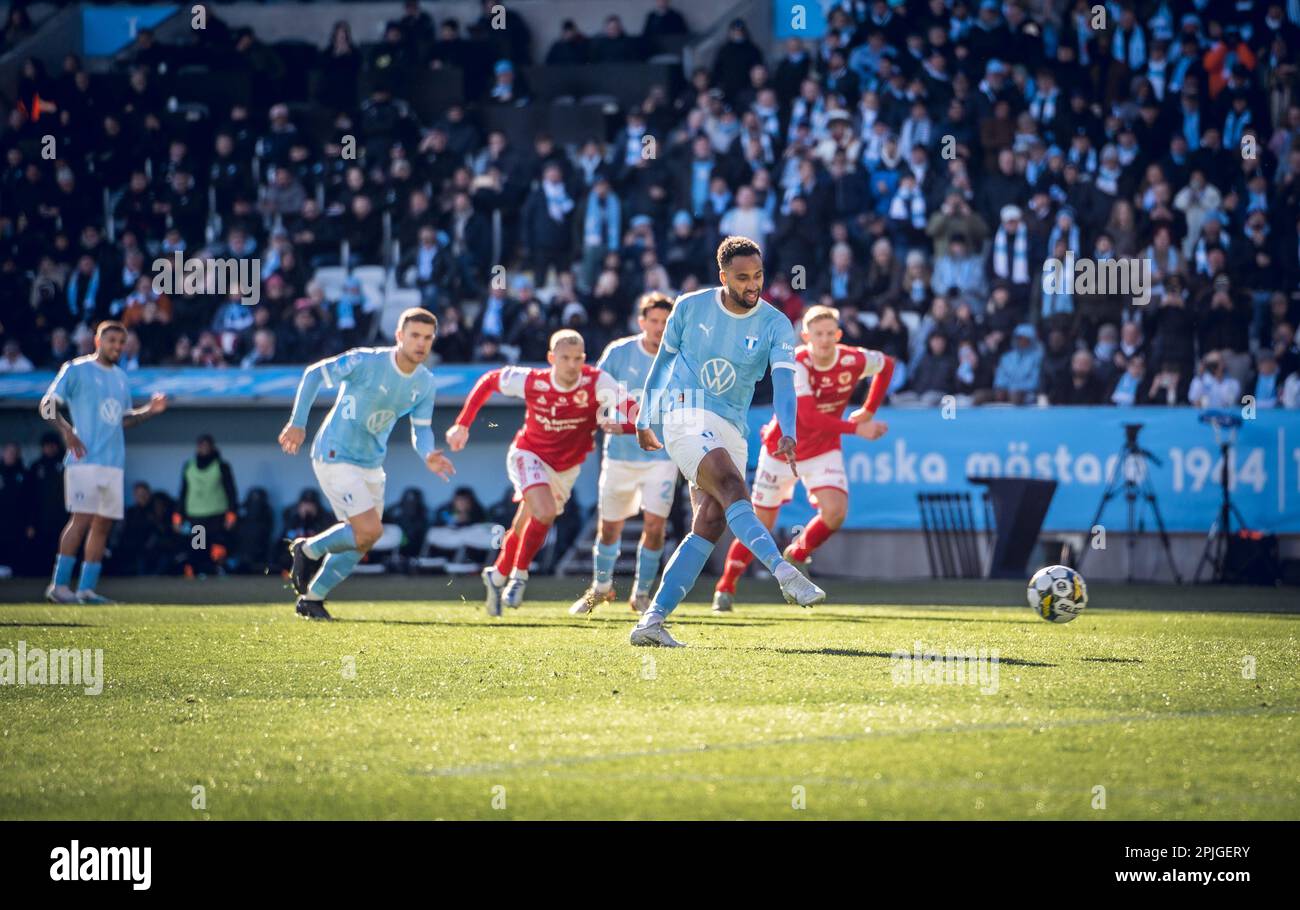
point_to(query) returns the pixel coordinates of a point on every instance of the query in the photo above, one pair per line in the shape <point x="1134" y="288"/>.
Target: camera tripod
<point x="1131" y="478"/>
<point x="1216" y="542"/>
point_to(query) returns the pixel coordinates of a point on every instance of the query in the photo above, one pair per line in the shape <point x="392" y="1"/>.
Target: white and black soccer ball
<point x="1057" y="593"/>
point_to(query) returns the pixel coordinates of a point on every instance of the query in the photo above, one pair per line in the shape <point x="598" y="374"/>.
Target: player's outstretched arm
<point x="785" y="403"/>
<point x="458" y="432"/>
<point x="320" y="373"/>
<point x="652" y="397"/>
<point x="423" y="440"/>
<point x="157" y="404"/>
<point x="867" y="426"/>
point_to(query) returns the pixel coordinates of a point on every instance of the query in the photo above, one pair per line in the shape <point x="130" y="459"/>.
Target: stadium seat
<point x="484" y="536"/>
<point x="375" y="275"/>
<point x="382" y="551"/>
<point x="394" y="303"/>
<point x="331" y="278"/>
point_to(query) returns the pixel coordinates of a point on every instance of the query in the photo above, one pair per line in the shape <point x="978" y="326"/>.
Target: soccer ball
<point x="1057" y="593"/>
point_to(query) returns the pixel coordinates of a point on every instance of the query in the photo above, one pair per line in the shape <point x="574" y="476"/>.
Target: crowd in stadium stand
<point x="915" y="167"/>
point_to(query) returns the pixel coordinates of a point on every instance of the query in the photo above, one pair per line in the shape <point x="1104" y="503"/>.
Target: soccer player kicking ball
<point x="718" y="344"/>
<point x="632" y="479"/>
<point x="825" y="373"/>
<point x="376" y="387"/>
<point x="564" y="406"/>
<point x="94" y="390"/>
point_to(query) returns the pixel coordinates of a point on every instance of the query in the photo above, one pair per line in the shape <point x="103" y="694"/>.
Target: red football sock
<point x="534" y="537"/>
<point x="813" y="536"/>
<point x="509" y="547"/>
<point x="738" y="560"/>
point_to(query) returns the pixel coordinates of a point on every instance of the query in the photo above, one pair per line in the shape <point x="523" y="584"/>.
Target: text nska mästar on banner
<point x="1078" y="448"/>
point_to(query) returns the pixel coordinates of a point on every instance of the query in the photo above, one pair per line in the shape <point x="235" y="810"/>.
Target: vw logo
<point x="110" y="411"/>
<point x="379" y="421"/>
<point x="718" y="375"/>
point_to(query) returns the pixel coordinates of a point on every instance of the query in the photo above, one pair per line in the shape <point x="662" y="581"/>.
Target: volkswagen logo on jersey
<point x="110" y="411"/>
<point x="718" y="375"/>
<point x="380" y="421"/>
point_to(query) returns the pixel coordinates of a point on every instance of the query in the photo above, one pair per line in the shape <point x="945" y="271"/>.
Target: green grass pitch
<point x="417" y="706"/>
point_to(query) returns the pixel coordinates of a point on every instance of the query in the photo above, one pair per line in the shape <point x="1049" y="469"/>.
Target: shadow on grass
<point x="467" y="624"/>
<point x="888" y="655"/>
<point x="880" y="617"/>
<point x="46" y="625"/>
<point x="1111" y="660"/>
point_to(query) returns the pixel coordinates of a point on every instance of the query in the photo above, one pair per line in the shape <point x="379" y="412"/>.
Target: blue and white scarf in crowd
<point x="558" y="203"/>
<point x="1201" y="252"/>
<point x="908" y="205"/>
<point x="92" y="291"/>
<point x="1016" y="267"/>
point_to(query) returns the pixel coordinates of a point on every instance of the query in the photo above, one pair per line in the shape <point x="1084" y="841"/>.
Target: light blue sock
<point x="605" y="555"/>
<point x="89" y="576"/>
<point x="63" y="566"/>
<point x="647" y="566"/>
<point x="338" y="539"/>
<point x="683" y="568"/>
<point x="750" y="531"/>
<point x="337" y="566"/>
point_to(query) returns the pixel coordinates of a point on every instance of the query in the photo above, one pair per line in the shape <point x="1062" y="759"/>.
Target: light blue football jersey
<point x="722" y="356"/>
<point x="96" y="396"/>
<point x="373" y="394"/>
<point x="629" y="362"/>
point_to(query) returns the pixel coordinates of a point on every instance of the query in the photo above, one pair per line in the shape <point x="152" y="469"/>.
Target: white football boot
<point x="796" y="588"/>
<point x="590" y="600"/>
<point x="650" y="632"/>
<point x="513" y="595"/>
<point x="90" y="597"/>
<point x="722" y="601"/>
<point x="60" y="594"/>
<point x="492" y="602"/>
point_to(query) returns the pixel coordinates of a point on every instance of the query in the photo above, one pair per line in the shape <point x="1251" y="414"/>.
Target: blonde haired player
<point x="825" y="375"/>
<point x="631" y="479"/>
<point x="564" y="406"/>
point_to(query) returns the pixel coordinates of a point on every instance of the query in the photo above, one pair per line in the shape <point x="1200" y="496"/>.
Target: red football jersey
<point x="830" y="389"/>
<point x="559" y="424"/>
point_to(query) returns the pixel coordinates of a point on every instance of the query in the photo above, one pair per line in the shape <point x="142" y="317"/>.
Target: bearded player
<point x="376" y="388"/>
<point x="631" y="479"/>
<point x="718" y="344"/>
<point x="564" y="406"/>
<point x="95" y="392"/>
<point x="824" y="377"/>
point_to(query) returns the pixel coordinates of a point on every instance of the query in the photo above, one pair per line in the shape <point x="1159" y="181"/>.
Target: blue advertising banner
<point x="1079" y="449"/>
<point x="105" y="30"/>
<point x="263" y="385"/>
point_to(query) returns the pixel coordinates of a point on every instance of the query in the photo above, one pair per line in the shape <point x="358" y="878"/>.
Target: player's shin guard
<point x="683" y="569"/>
<point x="335" y="568"/>
<point x="751" y="533"/>
<point x="506" y="558"/>
<point x="647" y="566"/>
<point x="814" y="535"/>
<point x="738" y="560"/>
<point x="604" y="556"/>
<point x="63" y="566"/>
<point x="534" y="537"/>
<point x="337" y="539"/>
<point x="89" y="576"/>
